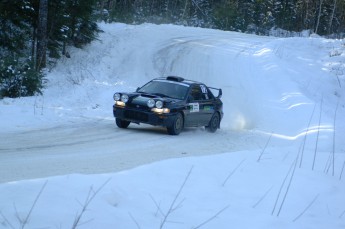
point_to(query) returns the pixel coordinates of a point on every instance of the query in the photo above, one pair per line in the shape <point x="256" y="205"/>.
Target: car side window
<point x="200" y="92"/>
<point x="206" y="93"/>
<point x="196" y="93"/>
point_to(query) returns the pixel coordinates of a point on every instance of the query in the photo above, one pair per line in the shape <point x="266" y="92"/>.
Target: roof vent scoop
<point x="175" y="78"/>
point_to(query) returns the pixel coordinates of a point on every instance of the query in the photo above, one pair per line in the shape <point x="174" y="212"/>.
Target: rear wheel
<point x="214" y="123"/>
<point x="122" y="123"/>
<point x="177" y="125"/>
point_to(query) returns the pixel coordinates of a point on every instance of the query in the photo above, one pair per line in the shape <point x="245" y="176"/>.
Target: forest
<point x="34" y="34"/>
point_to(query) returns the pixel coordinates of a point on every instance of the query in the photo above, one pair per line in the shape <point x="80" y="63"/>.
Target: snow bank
<point x="288" y="92"/>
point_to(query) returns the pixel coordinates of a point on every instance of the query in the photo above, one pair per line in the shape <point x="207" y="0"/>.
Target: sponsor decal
<point x="208" y="108"/>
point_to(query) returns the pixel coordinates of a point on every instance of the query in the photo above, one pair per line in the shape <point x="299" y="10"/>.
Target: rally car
<point x="172" y="102"/>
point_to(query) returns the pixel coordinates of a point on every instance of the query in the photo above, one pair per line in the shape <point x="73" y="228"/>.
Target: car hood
<point x="142" y="98"/>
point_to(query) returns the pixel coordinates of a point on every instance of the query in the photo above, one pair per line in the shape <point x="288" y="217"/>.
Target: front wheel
<point x="122" y="123"/>
<point x="177" y="125"/>
<point x="214" y="123"/>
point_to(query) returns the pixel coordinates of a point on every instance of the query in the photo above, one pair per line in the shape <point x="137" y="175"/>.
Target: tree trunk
<point x="305" y="21"/>
<point x="42" y="35"/>
<point x="332" y="16"/>
<point x="33" y="44"/>
<point x="318" y="17"/>
<point x="185" y="9"/>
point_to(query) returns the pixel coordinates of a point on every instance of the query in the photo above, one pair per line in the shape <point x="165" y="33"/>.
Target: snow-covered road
<point x="98" y="146"/>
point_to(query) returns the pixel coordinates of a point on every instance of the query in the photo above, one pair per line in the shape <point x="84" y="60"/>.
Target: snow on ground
<point x="276" y="162"/>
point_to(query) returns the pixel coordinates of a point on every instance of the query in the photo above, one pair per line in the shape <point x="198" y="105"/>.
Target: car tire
<point x="122" y="123"/>
<point x="177" y="125"/>
<point x="214" y="123"/>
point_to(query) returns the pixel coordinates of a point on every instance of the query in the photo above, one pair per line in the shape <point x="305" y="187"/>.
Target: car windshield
<point x="166" y="89"/>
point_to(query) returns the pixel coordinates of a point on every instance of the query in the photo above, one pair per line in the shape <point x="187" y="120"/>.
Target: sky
<point x="276" y="162"/>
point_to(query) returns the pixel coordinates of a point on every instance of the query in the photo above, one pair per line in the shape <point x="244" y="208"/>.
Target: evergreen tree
<point x="255" y="16"/>
<point x="82" y="21"/>
<point x="28" y="30"/>
<point x="225" y="15"/>
<point x="18" y="76"/>
<point x="14" y="25"/>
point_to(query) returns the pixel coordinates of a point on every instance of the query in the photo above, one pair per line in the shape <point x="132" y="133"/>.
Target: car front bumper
<point x="143" y="116"/>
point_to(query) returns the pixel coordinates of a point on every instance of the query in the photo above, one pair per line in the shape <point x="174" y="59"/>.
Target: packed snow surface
<point x="277" y="161"/>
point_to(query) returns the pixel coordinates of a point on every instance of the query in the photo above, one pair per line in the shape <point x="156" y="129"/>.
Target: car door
<point x="192" y="113"/>
<point x="200" y="106"/>
<point x="206" y="106"/>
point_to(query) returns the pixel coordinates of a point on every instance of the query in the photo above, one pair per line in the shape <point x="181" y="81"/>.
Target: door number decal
<point x="194" y="107"/>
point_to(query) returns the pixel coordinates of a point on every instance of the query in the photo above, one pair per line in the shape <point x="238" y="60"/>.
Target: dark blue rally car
<point x="172" y="102"/>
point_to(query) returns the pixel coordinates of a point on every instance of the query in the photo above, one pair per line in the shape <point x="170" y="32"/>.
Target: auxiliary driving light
<point x="159" y="104"/>
<point x="117" y="96"/>
<point x="151" y="103"/>
<point x="124" y="98"/>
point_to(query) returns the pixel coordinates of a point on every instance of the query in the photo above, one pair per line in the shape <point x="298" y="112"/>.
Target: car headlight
<point x="151" y="103"/>
<point x="124" y="98"/>
<point x="117" y="96"/>
<point x="159" y="104"/>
